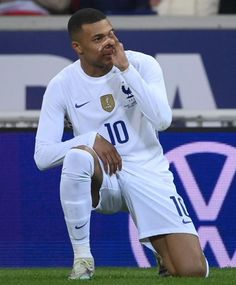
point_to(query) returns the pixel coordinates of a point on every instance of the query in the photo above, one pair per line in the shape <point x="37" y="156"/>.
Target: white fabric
<point x="132" y="123"/>
<point x="149" y="198"/>
<point x="81" y="251"/>
<point x="187" y="7"/>
<point x="207" y="268"/>
<point x="126" y="108"/>
<point x="75" y="194"/>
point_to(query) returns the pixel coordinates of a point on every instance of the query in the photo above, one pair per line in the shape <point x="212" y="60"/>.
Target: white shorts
<point x="155" y="206"/>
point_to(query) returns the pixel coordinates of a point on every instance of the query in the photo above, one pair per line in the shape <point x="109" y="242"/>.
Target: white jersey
<point x="127" y="108"/>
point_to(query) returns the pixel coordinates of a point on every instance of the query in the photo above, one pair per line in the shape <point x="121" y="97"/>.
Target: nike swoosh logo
<point x="186" y="222"/>
<point x="81" y="105"/>
<point x="79" y="227"/>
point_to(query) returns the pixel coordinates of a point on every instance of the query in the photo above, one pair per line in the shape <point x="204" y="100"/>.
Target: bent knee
<point x="77" y="160"/>
<point x="88" y="149"/>
<point x="197" y="268"/>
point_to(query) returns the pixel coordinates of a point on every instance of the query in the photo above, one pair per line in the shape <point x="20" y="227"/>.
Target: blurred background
<point x="195" y="43"/>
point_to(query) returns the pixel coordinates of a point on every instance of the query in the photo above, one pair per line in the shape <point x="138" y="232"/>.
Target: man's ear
<point x="77" y="47"/>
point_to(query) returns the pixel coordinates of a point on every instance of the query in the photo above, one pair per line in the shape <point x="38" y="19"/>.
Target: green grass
<point x="111" y="276"/>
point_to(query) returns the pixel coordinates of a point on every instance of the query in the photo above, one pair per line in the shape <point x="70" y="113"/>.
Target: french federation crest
<point x="130" y="99"/>
<point x="108" y="102"/>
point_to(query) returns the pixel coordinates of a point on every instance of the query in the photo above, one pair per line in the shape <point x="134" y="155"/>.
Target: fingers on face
<point x="113" y="36"/>
<point x="110" y="40"/>
<point x="107" y="42"/>
<point x="118" y="44"/>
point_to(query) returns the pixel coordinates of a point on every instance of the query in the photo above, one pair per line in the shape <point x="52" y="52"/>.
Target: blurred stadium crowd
<point x="119" y="7"/>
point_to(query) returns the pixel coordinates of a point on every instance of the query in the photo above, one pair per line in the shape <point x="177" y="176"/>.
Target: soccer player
<point x="116" y="102"/>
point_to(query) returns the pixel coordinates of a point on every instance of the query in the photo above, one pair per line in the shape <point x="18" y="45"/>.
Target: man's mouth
<point x="108" y="51"/>
<point x="107" y="54"/>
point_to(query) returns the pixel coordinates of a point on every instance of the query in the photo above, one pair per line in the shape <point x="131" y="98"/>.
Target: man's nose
<point x="109" y="41"/>
<point x="108" y="45"/>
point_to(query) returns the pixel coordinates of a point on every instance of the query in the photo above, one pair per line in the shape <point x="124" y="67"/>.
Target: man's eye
<point x="97" y="39"/>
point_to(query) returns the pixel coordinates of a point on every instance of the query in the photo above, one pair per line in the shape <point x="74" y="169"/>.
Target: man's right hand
<point x="108" y="154"/>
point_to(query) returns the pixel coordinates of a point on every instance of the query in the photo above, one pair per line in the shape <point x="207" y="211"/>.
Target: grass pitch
<point x="111" y="276"/>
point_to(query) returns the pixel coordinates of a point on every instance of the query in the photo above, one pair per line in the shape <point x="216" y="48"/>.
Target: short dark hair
<point x="81" y="17"/>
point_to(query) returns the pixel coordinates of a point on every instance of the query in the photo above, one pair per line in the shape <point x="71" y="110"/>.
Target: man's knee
<point x="181" y="254"/>
<point x="86" y="148"/>
<point x="78" y="161"/>
<point x="194" y="268"/>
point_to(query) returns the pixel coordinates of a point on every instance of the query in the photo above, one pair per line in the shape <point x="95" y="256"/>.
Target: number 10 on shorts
<point x="181" y="209"/>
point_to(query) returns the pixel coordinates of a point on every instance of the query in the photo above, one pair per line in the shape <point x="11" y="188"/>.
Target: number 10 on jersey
<point x="117" y="132"/>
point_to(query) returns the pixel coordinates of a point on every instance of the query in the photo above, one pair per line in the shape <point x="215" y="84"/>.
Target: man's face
<point x="95" y="44"/>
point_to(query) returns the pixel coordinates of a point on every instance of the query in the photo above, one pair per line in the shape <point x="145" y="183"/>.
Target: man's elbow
<point x="165" y="122"/>
<point x="40" y="163"/>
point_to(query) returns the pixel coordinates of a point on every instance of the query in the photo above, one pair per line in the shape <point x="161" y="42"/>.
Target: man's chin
<point x="107" y="58"/>
<point x="108" y="63"/>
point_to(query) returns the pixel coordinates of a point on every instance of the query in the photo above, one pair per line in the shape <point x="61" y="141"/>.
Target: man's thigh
<point x="105" y="190"/>
<point x="110" y="197"/>
<point x="155" y="206"/>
